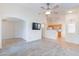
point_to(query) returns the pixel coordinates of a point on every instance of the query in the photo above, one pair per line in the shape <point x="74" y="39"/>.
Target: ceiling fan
<point x="49" y="9"/>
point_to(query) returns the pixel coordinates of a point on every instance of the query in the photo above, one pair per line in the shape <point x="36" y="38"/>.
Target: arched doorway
<point x="13" y="30"/>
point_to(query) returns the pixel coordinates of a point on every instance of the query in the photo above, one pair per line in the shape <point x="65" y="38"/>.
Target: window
<point x="71" y="28"/>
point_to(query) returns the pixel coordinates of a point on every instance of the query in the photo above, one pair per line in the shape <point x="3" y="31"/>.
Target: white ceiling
<point x="37" y="6"/>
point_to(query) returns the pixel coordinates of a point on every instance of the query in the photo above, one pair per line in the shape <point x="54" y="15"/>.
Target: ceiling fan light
<point x="48" y="12"/>
<point x="70" y="11"/>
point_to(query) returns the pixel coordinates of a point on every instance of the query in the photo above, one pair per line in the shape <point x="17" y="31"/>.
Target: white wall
<point x="17" y="11"/>
<point x="74" y="37"/>
<point x="13" y="10"/>
<point x="20" y="29"/>
<point x="7" y="30"/>
<point x="29" y="16"/>
<point x="34" y="34"/>
<point x="72" y="18"/>
<point x="0" y="35"/>
<point x="12" y="29"/>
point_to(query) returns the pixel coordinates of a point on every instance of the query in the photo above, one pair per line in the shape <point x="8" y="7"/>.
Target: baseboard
<point x="12" y="38"/>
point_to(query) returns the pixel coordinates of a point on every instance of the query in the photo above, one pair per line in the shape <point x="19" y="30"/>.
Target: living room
<point x="33" y="30"/>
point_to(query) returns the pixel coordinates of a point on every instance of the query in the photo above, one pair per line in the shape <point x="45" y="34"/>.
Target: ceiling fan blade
<point x="41" y="13"/>
<point x="42" y="8"/>
<point x="56" y="7"/>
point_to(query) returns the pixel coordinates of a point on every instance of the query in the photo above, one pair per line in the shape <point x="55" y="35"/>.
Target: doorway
<point x="13" y="31"/>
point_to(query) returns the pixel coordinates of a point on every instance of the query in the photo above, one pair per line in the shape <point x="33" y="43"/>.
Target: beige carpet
<point x="48" y="47"/>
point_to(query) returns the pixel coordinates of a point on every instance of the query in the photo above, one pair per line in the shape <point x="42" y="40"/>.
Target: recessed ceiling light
<point x="69" y="11"/>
